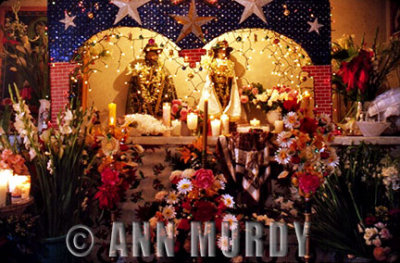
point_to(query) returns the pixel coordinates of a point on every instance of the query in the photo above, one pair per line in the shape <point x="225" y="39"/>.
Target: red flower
<point x="109" y="177"/>
<point x="204" y="178"/>
<point x="309" y="183"/>
<point x="381" y="253"/>
<point x="324" y="155"/>
<point x="370" y="220"/>
<point x="295" y="159"/>
<point x="308" y="125"/>
<point x="244" y="99"/>
<point x="186" y="205"/>
<point x="204" y="211"/>
<point x="175" y="108"/>
<point x="355" y="74"/>
<point x="183" y="114"/>
<point x="123" y="147"/>
<point x="291" y="105"/>
<point x="26" y="93"/>
<point x="108" y="196"/>
<point x="184" y="224"/>
<point x="254" y="91"/>
<point x="177" y="102"/>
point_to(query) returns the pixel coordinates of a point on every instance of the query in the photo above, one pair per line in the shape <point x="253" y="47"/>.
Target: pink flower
<point x="108" y="196"/>
<point x="204" y="178"/>
<point x="109" y="177"/>
<point x="385" y="234"/>
<point x="183" y="114"/>
<point x="254" y="91"/>
<point x="244" y="99"/>
<point x="175" y="108"/>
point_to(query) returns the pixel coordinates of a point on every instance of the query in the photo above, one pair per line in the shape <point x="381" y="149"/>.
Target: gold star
<point x="192" y="23"/>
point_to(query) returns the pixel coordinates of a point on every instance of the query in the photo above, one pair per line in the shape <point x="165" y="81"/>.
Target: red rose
<point x="175" y="108"/>
<point x="184" y="224"/>
<point x="204" y="211"/>
<point x="187" y="206"/>
<point x="109" y="177"/>
<point x="309" y="183"/>
<point x="308" y="125"/>
<point x="177" y="102"/>
<point x="370" y="220"/>
<point x="291" y="105"/>
<point x="203" y="178"/>
<point x="108" y="196"/>
<point x="244" y="99"/>
<point x="183" y="114"/>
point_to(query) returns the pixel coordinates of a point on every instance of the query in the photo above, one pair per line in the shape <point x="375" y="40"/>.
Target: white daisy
<point x="291" y="120"/>
<point x="184" y="186"/>
<point x="232" y="221"/>
<point x="224" y="243"/>
<point x="282" y="156"/>
<point x="284" y="139"/>
<point x="172" y="197"/>
<point x="228" y="200"/>
<point x="169" y="212"/>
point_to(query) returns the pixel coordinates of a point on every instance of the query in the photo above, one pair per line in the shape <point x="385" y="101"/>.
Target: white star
<point x="253" y="7"/>
<point x="68" y="21"/>
<point x="130" y="8"/>
<point x="192" y="23"/>
<point x="314" y="26"/>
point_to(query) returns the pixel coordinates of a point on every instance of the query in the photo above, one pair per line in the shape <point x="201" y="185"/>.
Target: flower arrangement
<point x="360" y="72"/>
<point x="197" y="195"/>
<point x="59" y="156"/>
<point x="359" y="206"/>
<point x="269" y="99"/>
<point x="143" y="124"/>
<point x="14" y="162"/>
<point x="27" y="56"/>
<point x="304" y="151"/>
<point x="179" y="110"/>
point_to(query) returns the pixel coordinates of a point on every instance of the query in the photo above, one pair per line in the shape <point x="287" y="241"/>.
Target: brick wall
<point x="192" y="56"/>
<point x="59" y="83"/>
<point x="322" y="87"/>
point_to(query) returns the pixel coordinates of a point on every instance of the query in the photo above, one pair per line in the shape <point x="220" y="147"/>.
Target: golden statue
<point x="221" y="83"/>
<point x="150" y="84"/>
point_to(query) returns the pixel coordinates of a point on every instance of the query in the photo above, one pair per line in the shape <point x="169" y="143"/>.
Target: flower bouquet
<point x="197" y="195"/>
<point x="179" y="110"/>
<point x="359" y="206"/>
<point x="304" y="151"/>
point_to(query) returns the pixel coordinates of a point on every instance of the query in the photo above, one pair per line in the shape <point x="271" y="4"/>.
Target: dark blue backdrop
<point x="155" y="16"/>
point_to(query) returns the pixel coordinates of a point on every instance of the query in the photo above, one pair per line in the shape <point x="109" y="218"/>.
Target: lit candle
<point x="20" y="186"/>
<point x="167" y="114"/>
<point x="5" y="176"/>
<point x="192" y="120"/>
<point x="278" y="126"/>
<point x="255" y="123"/>
<point x="205" y="128"/>
<point x="176" y="128"/>
<point x="112" y="114"/>
<point x="225" y="124"/>
<point x="216" y="127"/>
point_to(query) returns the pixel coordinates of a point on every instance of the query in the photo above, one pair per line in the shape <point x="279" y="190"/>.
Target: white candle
<point x="216" y="127"/>
<point x="255" y="122"/>
<point x="192" y="121"/>
<point x="112" y="114"/>
<point x="278" y="126"/>
<point x="167" y="114"/>
<point x="20" y="186"/>
<point x="176" y="128"/>
<point x="4" y="180"/>
<point x="225" y="124"/>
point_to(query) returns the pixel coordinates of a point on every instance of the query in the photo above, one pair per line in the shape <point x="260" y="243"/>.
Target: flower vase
<point x="272" y="116"/>
<point x="44" y="114"/>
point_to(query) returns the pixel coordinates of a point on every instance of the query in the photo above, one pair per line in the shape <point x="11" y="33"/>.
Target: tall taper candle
<point x="225" y="124"/>
<point x="112" y="114"/>
<point x="205" y="128"/>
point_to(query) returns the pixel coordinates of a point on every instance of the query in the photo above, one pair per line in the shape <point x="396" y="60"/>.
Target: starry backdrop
<point x="289" y="18"/>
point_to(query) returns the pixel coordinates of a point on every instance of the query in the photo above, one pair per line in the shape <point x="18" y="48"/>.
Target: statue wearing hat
<point x="221" y="83"/>
<point x="150" y="84"/>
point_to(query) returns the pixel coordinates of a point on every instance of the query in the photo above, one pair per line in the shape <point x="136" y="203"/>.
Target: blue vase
<point x="55" y="250"/>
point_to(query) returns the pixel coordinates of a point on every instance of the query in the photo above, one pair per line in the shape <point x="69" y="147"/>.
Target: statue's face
<point x="152" y="56"/>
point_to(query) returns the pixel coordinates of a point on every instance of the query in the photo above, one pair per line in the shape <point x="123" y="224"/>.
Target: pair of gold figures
<point x="151" y="85"/>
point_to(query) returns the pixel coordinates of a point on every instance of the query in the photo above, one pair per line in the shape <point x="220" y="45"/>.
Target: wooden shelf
<point x="212" y="141"/>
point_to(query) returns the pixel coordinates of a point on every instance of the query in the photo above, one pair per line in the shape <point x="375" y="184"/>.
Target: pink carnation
<point x="244" y="99"/>
<point x="204" y="178"/>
